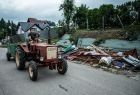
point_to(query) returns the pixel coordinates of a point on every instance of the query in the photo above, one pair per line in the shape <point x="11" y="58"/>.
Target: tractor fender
<point x="24" y="47"/>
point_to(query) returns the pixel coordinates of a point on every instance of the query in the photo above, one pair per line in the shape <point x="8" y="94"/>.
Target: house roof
<point x="42" y="24"/>
<point x="34" y="20"/>
<point x="25" y="26"/>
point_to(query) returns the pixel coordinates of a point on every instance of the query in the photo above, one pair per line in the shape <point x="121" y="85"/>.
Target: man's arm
<point x="29" y="36"/>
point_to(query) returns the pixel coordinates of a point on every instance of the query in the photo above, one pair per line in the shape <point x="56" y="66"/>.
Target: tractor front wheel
<point x="33" y="71"/>
<point x="62" y="66"/>
<point x="8" y="55"/>
<point x="20" y="60"/>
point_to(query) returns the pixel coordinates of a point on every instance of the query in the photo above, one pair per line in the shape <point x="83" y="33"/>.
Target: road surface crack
<point x="63" y="88"/>
<point x="3" y="91"/>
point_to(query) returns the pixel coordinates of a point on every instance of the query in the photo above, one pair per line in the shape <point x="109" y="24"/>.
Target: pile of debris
<point x="93" y="55"/>
<point x="98" y="56"/>
<point x="65" y="45"/>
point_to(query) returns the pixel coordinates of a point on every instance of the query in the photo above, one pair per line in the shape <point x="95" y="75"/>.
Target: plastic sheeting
<point x="84" y="42"/>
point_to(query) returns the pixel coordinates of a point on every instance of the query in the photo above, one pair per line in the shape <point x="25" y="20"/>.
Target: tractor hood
<point x="44" y="45"/>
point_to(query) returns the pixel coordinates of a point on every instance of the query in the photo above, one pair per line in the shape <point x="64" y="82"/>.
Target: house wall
<point x="38" y="29"/>
<point x="20" y="31"/>
<point x="43" y="33"/>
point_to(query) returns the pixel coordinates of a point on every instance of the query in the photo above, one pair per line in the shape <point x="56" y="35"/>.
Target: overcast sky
<point x="20" y="10"/>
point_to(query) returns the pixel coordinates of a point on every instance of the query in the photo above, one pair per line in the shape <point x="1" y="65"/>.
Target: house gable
<point x="25" y="26"/>
<point x="39" y="25"/>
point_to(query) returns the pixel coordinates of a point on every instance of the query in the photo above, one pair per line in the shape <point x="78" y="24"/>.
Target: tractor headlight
<point x="41" y="58"/>
<point x="59" y="56"/>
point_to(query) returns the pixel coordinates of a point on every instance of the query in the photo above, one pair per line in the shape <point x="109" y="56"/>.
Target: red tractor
<point x="39" y="54"/>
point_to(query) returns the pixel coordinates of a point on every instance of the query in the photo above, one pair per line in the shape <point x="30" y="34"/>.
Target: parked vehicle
<point x="12" y="44"/>
<point x="11" y="51"/>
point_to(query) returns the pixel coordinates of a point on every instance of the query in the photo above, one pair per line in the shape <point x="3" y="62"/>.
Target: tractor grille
<point x="51" y="52"/>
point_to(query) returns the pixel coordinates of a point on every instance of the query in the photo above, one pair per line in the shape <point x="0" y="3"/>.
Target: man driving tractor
<point x="33" y="36"/>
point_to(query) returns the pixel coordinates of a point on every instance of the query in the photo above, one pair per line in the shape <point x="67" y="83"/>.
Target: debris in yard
<point x="65" y="44"/>
<point x="118" y="64"/>
<point x="120" y="53"/>
<point x="136" y="68"/>
<point x="133" y="53"/>
<point x="85" y="42"/>
<point x="91" y="53"/>
<point x="94" y="56"/>
<point x="71" y="58"/>
<point x="131" y="60"/>
<point x="99" y="50"/>
<point x="108" y="60"/>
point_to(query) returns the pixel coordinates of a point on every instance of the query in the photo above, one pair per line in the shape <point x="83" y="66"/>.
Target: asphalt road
<point x="79" y="80"/>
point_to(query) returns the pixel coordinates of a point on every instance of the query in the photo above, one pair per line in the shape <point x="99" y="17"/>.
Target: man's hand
<point x="30" y="38"/>
<point x="30" y="42"/>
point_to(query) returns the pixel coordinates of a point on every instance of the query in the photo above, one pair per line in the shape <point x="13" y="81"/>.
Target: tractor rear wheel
<point x="62" y="66"/>
<point x="33" y="71"/>
<point x="8" y="55"/>
<point x="20" y="59"/>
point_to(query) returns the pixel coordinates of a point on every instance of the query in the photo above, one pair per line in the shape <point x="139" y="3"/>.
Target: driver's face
<point x="31" y="31"/>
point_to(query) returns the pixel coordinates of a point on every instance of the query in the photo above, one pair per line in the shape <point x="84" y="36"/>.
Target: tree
<point x="13" y="28"/>
<point x="2" y="23"/>
<point x="68" y="11"/>
<point x="94" y="18"/>
<point x="2" y="28"/>
<point x="107" y="11"/>
<point x="80" y="16"/>
<point x="7" y="28"/>
<point x="136" y="4"/>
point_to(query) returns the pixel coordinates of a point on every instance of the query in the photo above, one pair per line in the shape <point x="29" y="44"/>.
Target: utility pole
<point x="87" y="20"/>
<point x="103" y="23"/>
<point x="10" y="29"/>
<point x="3" y="33"/>
<point x="120" y="22"/>
<point x="49" y="36"/>
<point x="87" y="24"/>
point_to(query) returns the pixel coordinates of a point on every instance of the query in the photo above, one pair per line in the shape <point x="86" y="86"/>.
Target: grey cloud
<point x="97" y="3"/>
<point x="49" y="12"/>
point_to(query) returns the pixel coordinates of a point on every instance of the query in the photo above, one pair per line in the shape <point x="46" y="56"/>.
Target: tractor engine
<point x="44" y="52"/>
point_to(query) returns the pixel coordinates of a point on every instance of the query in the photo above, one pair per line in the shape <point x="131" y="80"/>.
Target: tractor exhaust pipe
<point x="49" y="35"/>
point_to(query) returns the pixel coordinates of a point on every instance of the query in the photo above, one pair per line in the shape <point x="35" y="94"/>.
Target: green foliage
<point x="106" y="10"/>
<point x="62" y="29"/>
<point x="68" y="11"/>
<point x="109" y="12"/>
<point x="7" y="28"/>
<point x="133" y="32"/>
<point x="80" y="16"/>
<point x="94" y="18"/>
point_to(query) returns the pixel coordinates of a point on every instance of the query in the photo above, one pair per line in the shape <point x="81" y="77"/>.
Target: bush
<point x="133" y="32"/>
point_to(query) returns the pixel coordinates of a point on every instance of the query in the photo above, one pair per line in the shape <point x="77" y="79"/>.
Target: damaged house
<point x="36" y="25"/>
